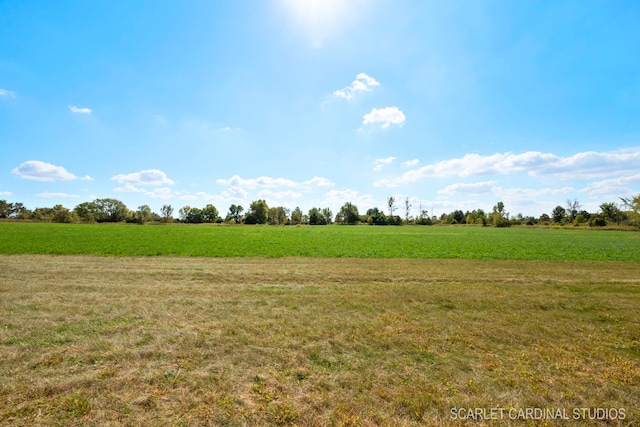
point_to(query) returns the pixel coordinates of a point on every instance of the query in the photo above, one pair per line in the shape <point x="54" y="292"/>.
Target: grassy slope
<point x="309" y="341"/>
<point x="327" y="241"/>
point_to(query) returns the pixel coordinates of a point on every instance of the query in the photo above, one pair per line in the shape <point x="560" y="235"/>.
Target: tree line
<point x="627" y="212"/>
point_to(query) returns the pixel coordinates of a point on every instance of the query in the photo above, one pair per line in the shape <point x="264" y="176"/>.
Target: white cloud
<point x="362" y="83"/>
<point x="378" y="164"/>
<point x="59" y="195"/>
<point x="7" y="93"/>
<point x="385" y="117"/>
<point x="473" y="188"/>
<point x="585" y="165"/>
<point x="410" y="163"/>
<point x="5" y="193"/>
<point x="156" y="193"/>
<point x="289" y="194"/>
<point x="269" y="182"/>
<point x="144" y="177"/>
<point x="40" y="171"/>
<point x="613" y="188"/>
<point x="79" y="110"/>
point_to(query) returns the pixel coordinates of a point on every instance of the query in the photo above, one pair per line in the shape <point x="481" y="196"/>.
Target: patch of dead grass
<point x="313" y="342"/>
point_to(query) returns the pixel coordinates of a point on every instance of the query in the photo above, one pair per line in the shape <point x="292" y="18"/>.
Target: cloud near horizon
<point x="269" y="182"/>
<point x="7" y="93"/>
<point x="586" y="165"/>
<point x="144" y="177"/>
<point x="36" y="170"/>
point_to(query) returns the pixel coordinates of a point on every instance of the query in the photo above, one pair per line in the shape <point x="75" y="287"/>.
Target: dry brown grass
<point x="312" y="342"/>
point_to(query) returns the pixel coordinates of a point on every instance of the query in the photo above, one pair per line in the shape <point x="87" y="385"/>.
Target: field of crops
<point x="452" y="242"/>
<point x="178" y="325"/>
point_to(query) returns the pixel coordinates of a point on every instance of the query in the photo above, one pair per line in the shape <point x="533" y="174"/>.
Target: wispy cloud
<point x="40" y="171"/>
<point x="384" y="117"/>
<point x="613" y="188"/>
<point x="5" y="193"/>
<point x="269" y="182"/>
<point x="362" y="83"/>
<point x="156" y="193"/>
<point x="49" y="195"/>
<point x="144" y="177"/>
<point x="473" y="188"/>
<point x="80" y="110"/>
<point x="410" y="163"/>
<point x="586" y="165"/>
<point x="7" y="93"/>
<point x="378" y="164"/>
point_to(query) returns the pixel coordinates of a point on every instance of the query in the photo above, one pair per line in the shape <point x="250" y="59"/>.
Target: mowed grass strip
<point x="451" y="242"/>
<point x="311" y="341"/>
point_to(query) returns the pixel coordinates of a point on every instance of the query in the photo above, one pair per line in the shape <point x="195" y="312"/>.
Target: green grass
<point x="452" y="242"/>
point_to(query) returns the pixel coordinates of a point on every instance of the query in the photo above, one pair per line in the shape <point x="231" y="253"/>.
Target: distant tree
<point x="6" y="209"/>
<point x="235" y="213"/>
<point x="110" y="210"/>
<point x="258" y="212"/>
<point x="559" y="214"/>
<point x="61" y="214"/>
<point x="166" y="211"/>
<point x="296" y="216"/>
<point x="143" y="214"/>
<point x="407" y="209"/>
<point x="391" y="202"/>
<point x="315" y="217"/>
<point x="19" y="211"/>
<point x="424" y="218"/>
<point x="209" y="214"/>
<point x="328" y="215"/>
<point x="43" y="214"/>
<point x="348" y="214"/>
<point x="278" y="216"/>
<point x="633" y="204"/>
<point x="573" y="206"/>
<point x="191" y="215"/>
<point x="499" y="217"/>
<point x="476" y="217"/>
<point x="376" y="217"/>
<point x="86" y="212"/>
<point x="544" y="219"/>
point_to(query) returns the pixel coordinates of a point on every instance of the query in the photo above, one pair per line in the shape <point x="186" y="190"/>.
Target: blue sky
<point x="455" y="105"/>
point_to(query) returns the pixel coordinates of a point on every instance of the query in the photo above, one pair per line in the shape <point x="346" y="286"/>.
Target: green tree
<point x="143" y="214"/>
<point x="86" y="212"/>
<point x="19" y="211"/>
<point x="315" y="217"/>
<point x="328" y="215"/>
<point x="167" y="211"/>
<point x="296" y="216"/>
<point x="633" y="204"/>
<point x="61" y="214"/>
<point x="191" y="215"/>
<point x="348" y="214"/>
<point x="235" y="213"/>
<point x="6" y="209"/>
<point x="209" y="213"/>
<point x="278" y="216"/>
<point x="499" y="217"/>
<point x="559" y="214"/>
<point x="110" y="210"/>
<point x="258" y="213"/>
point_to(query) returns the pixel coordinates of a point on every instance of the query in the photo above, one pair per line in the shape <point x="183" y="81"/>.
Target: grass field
<point x="316" y="326"/>
<point x="453" y="242"/>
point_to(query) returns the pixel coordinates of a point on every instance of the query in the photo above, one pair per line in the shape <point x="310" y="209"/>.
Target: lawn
<point x="452" y="242"/>
<point x="93" y="340"/>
